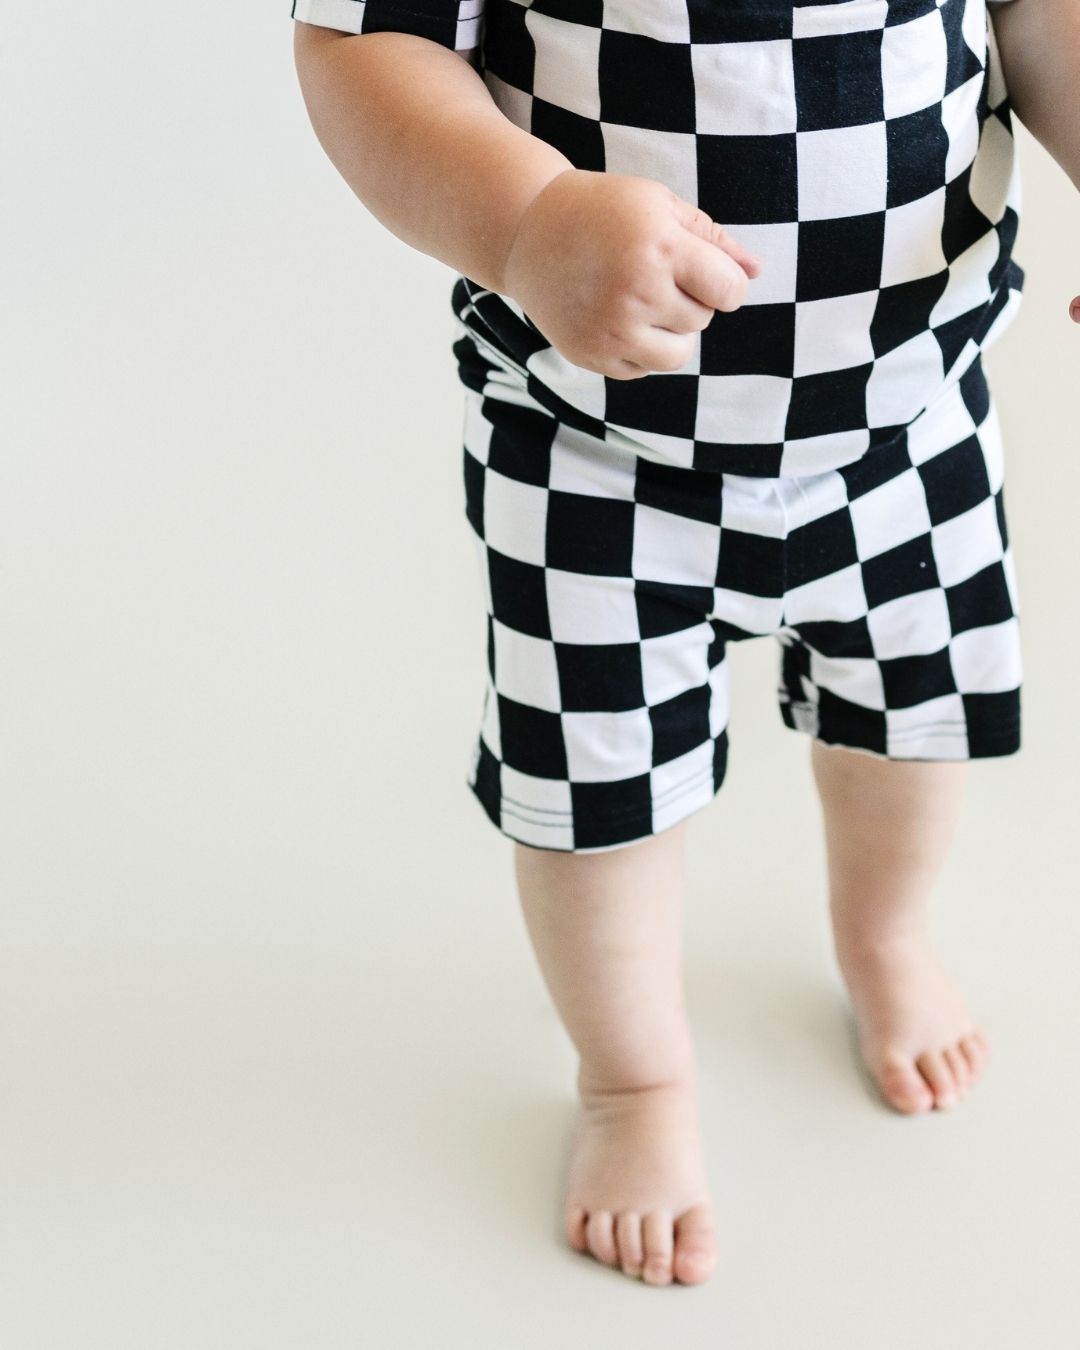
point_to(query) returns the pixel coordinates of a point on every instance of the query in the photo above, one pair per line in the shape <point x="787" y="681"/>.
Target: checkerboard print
<point x="613" y="585"/>
<point x="863" y="149"/>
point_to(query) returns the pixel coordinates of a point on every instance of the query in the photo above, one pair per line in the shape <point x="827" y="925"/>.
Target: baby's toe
<point x="658" y="1237"/>
<point x="903" y="1086"/>
<point x="958" y="1064"/>
<point x="574" y="1228"/>
<point x="600" y="1234"/>
<point x="973" y="1048"/>
<point x="628" y="1241"/>
<point x="934" y="1068"/>
<point x="695" y="1245"/>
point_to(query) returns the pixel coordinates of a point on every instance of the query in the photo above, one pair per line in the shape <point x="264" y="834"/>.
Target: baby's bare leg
<point x="888" y="827"/>
<point x="607" y="932"/>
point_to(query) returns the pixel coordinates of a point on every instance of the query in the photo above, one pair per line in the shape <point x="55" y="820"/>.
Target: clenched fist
<point x="618" y="272"/>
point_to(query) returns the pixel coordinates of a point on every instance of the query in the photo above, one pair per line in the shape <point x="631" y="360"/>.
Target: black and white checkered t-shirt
<point x="862" y="148"/>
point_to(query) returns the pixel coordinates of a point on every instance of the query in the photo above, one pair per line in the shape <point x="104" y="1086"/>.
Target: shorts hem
<point x="617" y="828"/>
<point x="933" y="742"/>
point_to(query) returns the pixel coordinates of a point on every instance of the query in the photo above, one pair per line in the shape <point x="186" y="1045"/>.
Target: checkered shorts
<point x="613" y="584"/>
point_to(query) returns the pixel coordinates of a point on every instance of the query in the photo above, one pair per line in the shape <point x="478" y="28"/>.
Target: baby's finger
<point x="709" y="274"/>
<point x="1074" y="309"/>
<point x="750" y="262"/>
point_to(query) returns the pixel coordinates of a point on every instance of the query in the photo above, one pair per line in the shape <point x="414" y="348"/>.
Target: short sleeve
<point x="451" y="23"/>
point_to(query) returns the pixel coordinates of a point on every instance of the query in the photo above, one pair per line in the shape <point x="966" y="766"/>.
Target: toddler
<point x="726" y="272"/>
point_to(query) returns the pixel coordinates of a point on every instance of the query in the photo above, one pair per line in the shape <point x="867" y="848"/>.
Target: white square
<point x="591" y="608"/>
<point x="673" y="548"/>
<point x="988" y="660"/>
<point x="963" y="126"/>
<point x="536" y="810"/>
<point x="839" y="596"/>
<point x="914" y="64"/>
<point x="525" y="668"/>
<point x="754" y="613"/>
<point x="945" y="422"/>
<point x="744" y="88"/>
<point x="967" y="543"/>
<point x="719" y="696"/>
<point x="603" y="746"/>
<point x="669" y="157"/>
<point x="566" y="64"/>
<point x="898" y="384"/>
<point x="827" y="20"/>
<point x="548" y="796"/>
<point x="515" y="517"/>
<point x="858" y="679"/>
<point x="910" y="625"/>
<point x="746" y="409"/>
<point x="968" y="284"/>
<point x="833" y="334"/>
<point x="490" y="729"/>
<point x="912" y="245"/>
<point x="891" y="514"/>
<point x="843" y="171"/>
<point x="777" y="245"/>
<point x="936" y="718"/>
<point x="591" y="466"/>
<point x="675" y="662"/>
<point x="818" y="454"/>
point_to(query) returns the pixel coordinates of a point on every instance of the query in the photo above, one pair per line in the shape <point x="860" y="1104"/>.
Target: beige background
<point x="276" y="1065"/>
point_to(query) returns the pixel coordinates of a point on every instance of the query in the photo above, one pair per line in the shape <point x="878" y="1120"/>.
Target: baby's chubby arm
<point x="412" y="129"/>
<point x="1039" y="45"/>
<point x="617" y="271"/>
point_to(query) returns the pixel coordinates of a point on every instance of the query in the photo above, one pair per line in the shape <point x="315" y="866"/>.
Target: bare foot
<point x="637" y="1195"/>
<point x="915" y="1032"/>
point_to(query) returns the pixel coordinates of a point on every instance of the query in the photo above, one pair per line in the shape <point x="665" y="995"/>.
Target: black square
<point x="745" y="180"/>
<point x="601" y="677"/>
<point x="841" y="256"/>
<point x="519" y="446"/>
<point x="750" y="340"/>
<point x="612" y="812"/>
<point x="689" y="493"/>
<point x="590" y="534"/>
<point x="821" y="547"/>
<point x="752" y="564"/>
<point x="646" y="83"/>
<point x="834" y="400"/>
<point x="904" y="310"/>
<point x="663" y="403"/>
<point x="666" y="607"/>
<point x="838" y="638"/>
<point x="843" y="723"/>
<point x="532" y="739"/>
<point x="910" y="680"/>
<point x="993" y="722"/>
<point x="955" y="480"/>
<point x="680" y="724"/>
<point x="917" y="146"/>
<point x="838" y="80"/>
<point x="518" y="594"/>
<point x="981" y="599"/>
<point x="908" y="568"/>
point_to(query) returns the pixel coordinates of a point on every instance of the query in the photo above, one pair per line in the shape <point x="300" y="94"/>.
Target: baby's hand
<point x="1074" y="309"/>
<point x="618" y="272"/>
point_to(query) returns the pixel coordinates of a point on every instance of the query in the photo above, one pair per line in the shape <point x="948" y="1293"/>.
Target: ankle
<point x="878" y="939"/>
<point x="599" y="1086"/>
